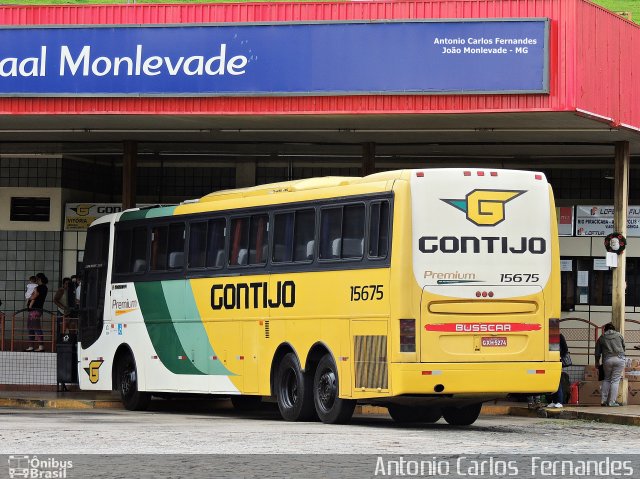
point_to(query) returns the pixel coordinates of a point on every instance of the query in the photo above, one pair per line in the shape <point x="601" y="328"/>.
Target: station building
<point x="105" y="106"/>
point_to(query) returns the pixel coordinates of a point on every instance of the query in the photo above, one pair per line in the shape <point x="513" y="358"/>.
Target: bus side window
<point x="330" y="233"/>
<point x="123" y="252"/>
<point x="239" y="246"/>
<point x="283" y="238"/>
<point x="159" y="244"/>
<point x="353" y="232"/>
<point x="215" y="243"/>
<point x="294" y="236"/>
<point x="176" y="246"/>
<point x="258" y="239"/>
<point x="379" y="230"/>
<point x="139" y="250"/>
<point x="304" y="234"/>
<point x="197" y="244"/>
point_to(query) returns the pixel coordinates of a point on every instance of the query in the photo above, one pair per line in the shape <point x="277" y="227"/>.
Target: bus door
<point x="93" y="287"/>
<point x="483" y="323"/>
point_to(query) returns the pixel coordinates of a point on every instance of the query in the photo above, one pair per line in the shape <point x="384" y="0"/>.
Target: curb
<point x="24" y="403"/>
<point x="487" y="410"/>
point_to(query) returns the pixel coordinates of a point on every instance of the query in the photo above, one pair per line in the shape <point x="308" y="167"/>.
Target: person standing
<point x="61" y="300"/>
<point x="30" y="288"/>
<point x="36" y="303"/>
<point x="610" y="346"/>
<point x="557" y="398"/>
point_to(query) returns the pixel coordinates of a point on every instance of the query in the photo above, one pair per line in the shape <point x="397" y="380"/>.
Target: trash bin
<point x="67" y="359"/>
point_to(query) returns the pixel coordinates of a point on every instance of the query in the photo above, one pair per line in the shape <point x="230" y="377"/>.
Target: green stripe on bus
<point x="189" y="328"/>
<point x="133" y="215"/>
<point x="161" y="211"/>
<point x="161" y="329"/>
<point x="147" y="213"/>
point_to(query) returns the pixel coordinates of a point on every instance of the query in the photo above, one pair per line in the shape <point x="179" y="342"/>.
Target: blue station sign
<point x="327" y="58"/>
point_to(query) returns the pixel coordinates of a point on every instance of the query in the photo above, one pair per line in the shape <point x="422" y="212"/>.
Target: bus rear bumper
<point x="472" y="378"/>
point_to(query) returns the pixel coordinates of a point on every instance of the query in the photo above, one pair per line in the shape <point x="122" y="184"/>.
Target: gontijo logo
<point x="94" y="370"/>
<point x="82" y="210"/>
<point x="485" y="207"/>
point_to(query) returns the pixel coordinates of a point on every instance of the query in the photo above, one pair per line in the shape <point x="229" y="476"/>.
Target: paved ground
<point x="190" y="427"/>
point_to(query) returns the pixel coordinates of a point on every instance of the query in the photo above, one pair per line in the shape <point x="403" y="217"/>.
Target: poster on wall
<point x="565" y="220"/>
<point x="566" y="265"/>
<point x="79" y="216"/>
<point x="597" y="220"/>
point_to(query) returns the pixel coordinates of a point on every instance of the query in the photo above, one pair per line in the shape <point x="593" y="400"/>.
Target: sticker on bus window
<point x="488" y="342"/>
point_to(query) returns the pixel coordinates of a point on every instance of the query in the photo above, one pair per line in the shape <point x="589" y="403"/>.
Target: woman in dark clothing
<point x="558" y="397"/>
<point x="36" y="303"/>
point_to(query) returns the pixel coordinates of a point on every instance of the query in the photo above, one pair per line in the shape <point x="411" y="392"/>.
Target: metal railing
<point x="590" y="333"/>
<point x="15" y="334"/>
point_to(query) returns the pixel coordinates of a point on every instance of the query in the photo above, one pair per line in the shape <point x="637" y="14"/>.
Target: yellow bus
<point x="425" y="291"/>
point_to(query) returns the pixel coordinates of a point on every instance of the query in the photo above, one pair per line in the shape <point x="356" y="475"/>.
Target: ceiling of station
<point x="528" y="139"/>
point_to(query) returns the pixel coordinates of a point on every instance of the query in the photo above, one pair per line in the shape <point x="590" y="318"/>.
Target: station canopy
<point x="431" y="81"/>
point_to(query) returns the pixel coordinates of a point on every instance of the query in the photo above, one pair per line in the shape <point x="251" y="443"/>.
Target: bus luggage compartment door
<point x="483" y="324"/>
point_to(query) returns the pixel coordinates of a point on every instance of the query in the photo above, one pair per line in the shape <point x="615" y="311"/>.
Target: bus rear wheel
<point x="294" y="390"/>
<point x="127" y="380"/>
<point x="330" y="408"/>
<point x="462" y="416"/>
<point x="409" y="414"/>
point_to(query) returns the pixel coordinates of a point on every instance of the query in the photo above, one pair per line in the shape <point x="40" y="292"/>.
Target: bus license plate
<point x="494" y="342"/>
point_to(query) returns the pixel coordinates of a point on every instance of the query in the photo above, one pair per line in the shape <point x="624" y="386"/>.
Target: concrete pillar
<point x="620" y="206"/>
<point x="368" y="159"/>
<point x="245" y="174"/>
<point x="129" y="163"/>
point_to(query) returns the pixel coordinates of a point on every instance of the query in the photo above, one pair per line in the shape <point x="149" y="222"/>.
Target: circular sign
<point x="615" y="243"/>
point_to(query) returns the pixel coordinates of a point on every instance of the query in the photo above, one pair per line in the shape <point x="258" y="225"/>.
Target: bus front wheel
<point x="462" y="416"/>
<point x="294" y="390"/>
<point x="127" y="375"/>
<point x="330" y="408"/>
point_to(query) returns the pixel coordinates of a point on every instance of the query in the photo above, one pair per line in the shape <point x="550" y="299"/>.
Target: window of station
<point x="588" y="281"/>
<point x="342" y="232"/>
<point x="131" y="251"/>
<point x="249" y="240"/>
<point x="294" y="236"/>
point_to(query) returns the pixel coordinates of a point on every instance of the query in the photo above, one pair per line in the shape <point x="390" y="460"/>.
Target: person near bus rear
<point x="557" y="398"/>
<point x="610" y="346"/>
<point x="36" y="303"/>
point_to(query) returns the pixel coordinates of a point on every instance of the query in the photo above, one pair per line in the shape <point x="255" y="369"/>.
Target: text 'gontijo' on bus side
<point x="425" y="291"/>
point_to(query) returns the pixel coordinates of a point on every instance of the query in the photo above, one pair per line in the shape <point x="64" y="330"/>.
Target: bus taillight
<point x="554" y="334"/>
<point x="408" y="335"/>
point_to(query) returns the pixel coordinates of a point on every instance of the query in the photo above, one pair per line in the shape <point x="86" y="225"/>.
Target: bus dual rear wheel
<point x="293" y="391"/>
<point x="331" y="409"/>
<point x="127" y="381"/>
